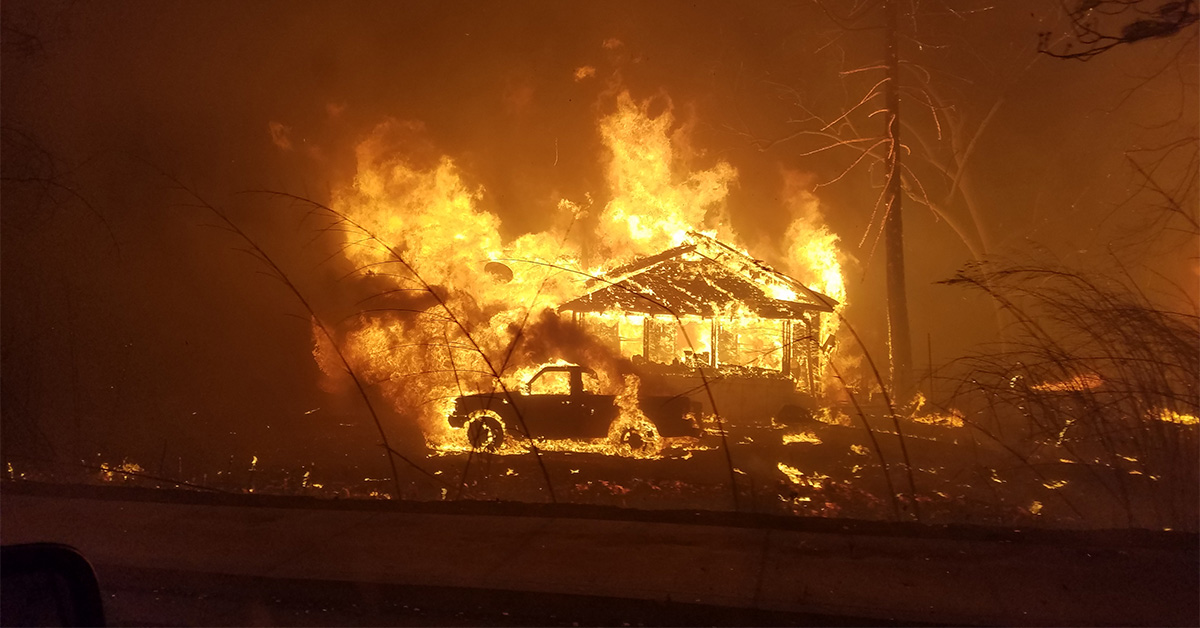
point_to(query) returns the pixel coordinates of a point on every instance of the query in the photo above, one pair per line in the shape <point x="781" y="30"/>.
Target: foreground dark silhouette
<point x="189" y="558"/>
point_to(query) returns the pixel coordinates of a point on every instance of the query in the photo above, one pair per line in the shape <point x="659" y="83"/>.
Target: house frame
<point x="707" y="281"/>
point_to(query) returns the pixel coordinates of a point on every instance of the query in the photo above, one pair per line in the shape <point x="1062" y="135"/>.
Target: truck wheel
<point x="485" y="430"/>
<point x="636" y="438"/>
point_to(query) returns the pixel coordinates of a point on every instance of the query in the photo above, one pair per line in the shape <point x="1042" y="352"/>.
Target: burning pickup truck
<point x="569" y="411"/>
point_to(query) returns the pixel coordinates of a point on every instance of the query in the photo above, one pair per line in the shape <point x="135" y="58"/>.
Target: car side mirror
<point x="47" y="584"/>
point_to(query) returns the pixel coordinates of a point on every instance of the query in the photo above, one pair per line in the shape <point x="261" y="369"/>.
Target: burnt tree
<point x="899" y="335"/>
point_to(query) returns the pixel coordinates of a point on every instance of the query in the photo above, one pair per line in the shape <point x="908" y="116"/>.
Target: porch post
<point x="786" y="339"/>
<point x="715" y="340"/>
<point x="646" y="326"/>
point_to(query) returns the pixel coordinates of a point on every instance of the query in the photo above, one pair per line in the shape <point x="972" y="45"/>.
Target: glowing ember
<point x="802" y="437"/>
<point x="1078" y="383"/>
<point x="120" y="472"/>
<point x="953" y="418"/>
<point x="796" y="476"/>
<point x="833" y="416"/>
<point x="1179" y="418"/>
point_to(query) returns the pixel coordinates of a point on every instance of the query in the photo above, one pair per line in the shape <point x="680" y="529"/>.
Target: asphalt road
<point x="297" y="563"/>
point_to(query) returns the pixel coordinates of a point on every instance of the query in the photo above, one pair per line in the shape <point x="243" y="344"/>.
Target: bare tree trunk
<point x="899" y="341"/>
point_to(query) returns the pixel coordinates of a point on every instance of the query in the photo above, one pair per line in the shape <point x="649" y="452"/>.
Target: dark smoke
<point x="551" y="337"/>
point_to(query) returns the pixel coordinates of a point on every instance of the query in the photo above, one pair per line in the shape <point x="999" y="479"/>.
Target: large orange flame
<point x="458" y="310"/>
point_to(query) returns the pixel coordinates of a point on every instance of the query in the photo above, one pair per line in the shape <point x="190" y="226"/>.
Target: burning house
<point x="707" y="305"/>
<point x="465" y="311"/>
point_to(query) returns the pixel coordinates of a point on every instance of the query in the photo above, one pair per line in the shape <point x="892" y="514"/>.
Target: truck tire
<point x="485" y="430"/>
<point x="635" y="438"/>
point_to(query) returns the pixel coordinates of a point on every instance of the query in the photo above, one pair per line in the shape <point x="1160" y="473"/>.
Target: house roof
<point x="704" y="277"/>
